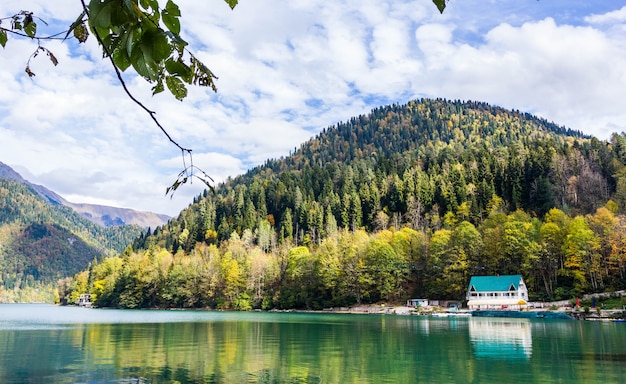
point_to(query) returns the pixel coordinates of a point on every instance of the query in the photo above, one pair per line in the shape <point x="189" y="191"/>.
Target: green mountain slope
<point x="413" y="162"/>
<point x="41" y="243"/>
<point x="408" y="201"/>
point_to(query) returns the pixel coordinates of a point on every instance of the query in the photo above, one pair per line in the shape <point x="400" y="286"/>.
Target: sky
<point x="286" y="71"/>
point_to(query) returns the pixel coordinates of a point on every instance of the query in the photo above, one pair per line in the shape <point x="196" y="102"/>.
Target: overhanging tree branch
<point x="141" y="34"/>
<point x="134" y="37"/>
<point x="152" y="114"/>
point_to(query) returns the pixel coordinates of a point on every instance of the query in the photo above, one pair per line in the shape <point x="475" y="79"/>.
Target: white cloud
<point x="617" y="16"/>
<point x="286" y="70"/>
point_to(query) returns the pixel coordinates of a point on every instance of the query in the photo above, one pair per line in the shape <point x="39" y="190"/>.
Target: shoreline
<point x="590" y="315"/>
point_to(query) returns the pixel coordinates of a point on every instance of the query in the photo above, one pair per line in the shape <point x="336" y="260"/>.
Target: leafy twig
<point x="188" y="172"/>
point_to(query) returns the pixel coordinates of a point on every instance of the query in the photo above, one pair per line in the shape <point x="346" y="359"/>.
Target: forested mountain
<point x="41" y="242"/>
<point x="408" y="201"/>
<point x="412" y="163"/>
<point x="99" y="214"/>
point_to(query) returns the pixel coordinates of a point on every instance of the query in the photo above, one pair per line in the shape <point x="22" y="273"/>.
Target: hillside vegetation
<point x="41" y="243"/>
<point x="408" y="201"/>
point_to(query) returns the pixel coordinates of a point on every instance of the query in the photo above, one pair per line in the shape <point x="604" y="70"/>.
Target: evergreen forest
<point x="407" y="201"/>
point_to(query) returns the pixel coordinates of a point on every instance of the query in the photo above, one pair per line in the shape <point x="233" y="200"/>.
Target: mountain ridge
<point x="441" y="153"/>
<point x="100" y="214"/>
<point x="41" y="242"/>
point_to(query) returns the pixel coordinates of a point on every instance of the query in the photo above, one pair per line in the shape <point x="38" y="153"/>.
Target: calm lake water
<point x="49" y="344"/>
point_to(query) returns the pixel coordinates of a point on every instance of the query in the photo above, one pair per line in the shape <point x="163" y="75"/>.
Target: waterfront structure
<point x="497" y="292"/>
<point x="417" y="303"/>
<point x="84" y="300"/>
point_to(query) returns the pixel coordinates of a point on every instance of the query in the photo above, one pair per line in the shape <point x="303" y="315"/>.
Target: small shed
<point x="417" y="303"/>
<point x="497" y="292"/>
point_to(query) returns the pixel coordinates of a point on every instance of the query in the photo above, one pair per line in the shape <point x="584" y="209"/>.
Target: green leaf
<point x="142" y="64"/>
<point x="172" y="8"/>
<point x="121" y="59"/>
<point x="155" y="45"/>
<point x="131" y="38"/>
<point x="154" y="4"/>
<point x="180" y="69"/>
<point x="231" y="3"/>
<point x="100" y="13"/>
<point x="3" y="38"/>
<point x="170" y="15"/>
<point x="102" y="32"/>
<point x="30" y="29"/>
<point x="159" y="87"/>
<point x="176" y="87"/>
<point x="28" y="19"/>
<point x="122" y="17"/>
<point x="171" y="22"/>
<point x="441" y="4"/>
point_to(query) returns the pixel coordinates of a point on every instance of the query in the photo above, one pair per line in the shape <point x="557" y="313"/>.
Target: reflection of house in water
<point x="500" y="339"/>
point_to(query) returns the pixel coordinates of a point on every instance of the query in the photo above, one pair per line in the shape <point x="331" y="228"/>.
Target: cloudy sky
<point x="288" y="69"/>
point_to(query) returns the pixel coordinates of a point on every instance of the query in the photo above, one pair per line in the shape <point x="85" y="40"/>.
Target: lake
<point x="50" y="344"/>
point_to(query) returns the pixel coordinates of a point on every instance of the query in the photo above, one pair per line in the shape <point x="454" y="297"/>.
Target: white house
<point x="497" y="292"/>
<point x="84" y="300"/>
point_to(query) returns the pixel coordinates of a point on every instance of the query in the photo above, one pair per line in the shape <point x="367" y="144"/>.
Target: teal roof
<point x="494" y="283"/>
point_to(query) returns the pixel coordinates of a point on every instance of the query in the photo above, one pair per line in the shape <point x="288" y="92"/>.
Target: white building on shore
<point x="497" y="292"/>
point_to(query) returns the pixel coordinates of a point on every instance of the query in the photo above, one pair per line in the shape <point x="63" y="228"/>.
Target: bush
<point x="242" y="302"/>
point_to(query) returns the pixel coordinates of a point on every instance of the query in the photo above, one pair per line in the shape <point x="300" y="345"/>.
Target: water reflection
<point x="501" y="338"/>
<point x="64" y="345"/>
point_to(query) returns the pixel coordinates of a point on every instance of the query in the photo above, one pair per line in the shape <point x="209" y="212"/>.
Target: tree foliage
<point x="350" y="268"/>
<point x="142" y="34"/>
<point x="435" y="205"/>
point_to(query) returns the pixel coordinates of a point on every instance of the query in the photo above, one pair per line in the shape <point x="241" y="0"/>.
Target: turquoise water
<point x="49" y="344"/>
